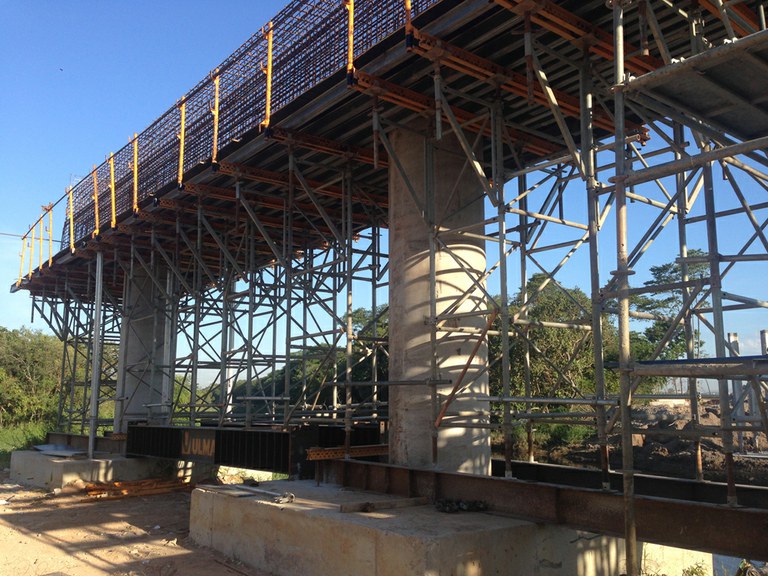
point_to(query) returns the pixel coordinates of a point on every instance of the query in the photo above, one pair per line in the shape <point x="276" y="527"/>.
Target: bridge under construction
<point x="332" y="240"/>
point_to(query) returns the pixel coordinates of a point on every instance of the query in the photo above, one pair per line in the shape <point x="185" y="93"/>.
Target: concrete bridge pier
<point x="432" y="193"/>
<point x="144" y="384"/>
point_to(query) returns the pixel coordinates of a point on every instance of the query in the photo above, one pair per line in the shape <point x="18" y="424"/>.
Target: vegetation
<point x="30" y="370"/>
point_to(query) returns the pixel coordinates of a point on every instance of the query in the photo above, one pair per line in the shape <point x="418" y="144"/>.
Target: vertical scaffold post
<point x="622" y="274"/>
<point x="95" y="202"/>
<point x="182" y="134"/>
<point x="497" y="156"/>
<point x="589" y="163"/>
<point x="349" y="328"/>
<point x="215" y="113"/>
<point x="71" y="220"/>
<point x="715" y="279"/>
<point x="690" y="352"/>
<point x="96" y="356"/>
<point x="135" y="170"/>
<point x="350" y="6"/>
<point x="268" y="71"/>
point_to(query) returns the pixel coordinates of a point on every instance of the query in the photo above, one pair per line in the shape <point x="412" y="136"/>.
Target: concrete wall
<point x="457" y="203"/>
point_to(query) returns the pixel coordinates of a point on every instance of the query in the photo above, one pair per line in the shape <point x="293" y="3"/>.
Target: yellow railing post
<point x="95" y="201"/>
<point x="408" y="18"/>
<point x="135" y="169"/>
<point x="215" y="112"/>
<point x="350" y="5"/>
<point x="21" y="262"/>
<point x="50" y="235"/>
<point x="71" y="221"/>
<point x="183" y="109"/>
<point x="40" y="242"/>
<point x="113" y="220"/>
<point x="268" y="72"/>
<point x="31" y="251"/>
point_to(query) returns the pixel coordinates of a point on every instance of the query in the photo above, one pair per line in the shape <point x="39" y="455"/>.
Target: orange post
<point x="95" y="201"/>
<point x="31" y="251"/>
<point x="268" y="72"/>
<point x="408" y="18"/>
<point x="40" y="242"/>
<point x="350" y="5"/>
<point x="71" y="221"/>
<point x="113" y="220"/>
<point x="183" y="109"/>
<point x="21" y="262"/>
<point x="50" y="235"/>
<point x="135" y="168"/>
<point x="215" y="112"/>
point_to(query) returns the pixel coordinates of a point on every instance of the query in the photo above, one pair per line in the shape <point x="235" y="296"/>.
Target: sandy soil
<point x="670" y="455"/>
<point x="45" y="535"/>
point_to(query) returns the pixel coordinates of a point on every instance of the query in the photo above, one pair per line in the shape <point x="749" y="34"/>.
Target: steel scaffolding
<point x="249" y="221"/>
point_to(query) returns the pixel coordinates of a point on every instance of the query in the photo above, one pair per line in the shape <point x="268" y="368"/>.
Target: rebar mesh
<point x="309" y="46"/>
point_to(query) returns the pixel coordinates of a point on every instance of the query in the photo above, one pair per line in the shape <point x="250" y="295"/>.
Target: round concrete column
<point x="457" y="203"/>
<point x="143" y="383"/>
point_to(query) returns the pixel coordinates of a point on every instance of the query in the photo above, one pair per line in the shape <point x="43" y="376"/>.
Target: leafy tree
<point x="30" y="372"/>
<point x="667" y="303"/>
<point x="561" y="359"/>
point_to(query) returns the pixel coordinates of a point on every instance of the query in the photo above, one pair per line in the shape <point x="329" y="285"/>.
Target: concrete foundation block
<point x="33" y="468"/>
<point x="310" y="536"/>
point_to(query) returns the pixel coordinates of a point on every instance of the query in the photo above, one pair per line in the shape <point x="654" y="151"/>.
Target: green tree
<point x="667" y="302"/>
<point x="30" y="372"/>
<point x="561" y="359"/>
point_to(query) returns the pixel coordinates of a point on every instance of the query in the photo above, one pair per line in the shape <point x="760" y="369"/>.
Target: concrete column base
<point x="311" y="536"/>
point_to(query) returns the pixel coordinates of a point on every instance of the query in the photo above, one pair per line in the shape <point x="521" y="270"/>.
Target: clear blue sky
<point x="79" y="77"/>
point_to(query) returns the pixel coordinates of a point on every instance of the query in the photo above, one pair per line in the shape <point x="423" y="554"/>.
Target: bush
<point x="19" y="438"/>
<point x="565" y="435"/>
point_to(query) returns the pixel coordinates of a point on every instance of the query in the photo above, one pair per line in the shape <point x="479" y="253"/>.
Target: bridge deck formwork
<point x="229" y="267"/>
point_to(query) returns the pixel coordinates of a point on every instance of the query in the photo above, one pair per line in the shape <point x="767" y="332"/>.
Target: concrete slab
<point x="34" y="468"/>
<point x="311" y="536"/>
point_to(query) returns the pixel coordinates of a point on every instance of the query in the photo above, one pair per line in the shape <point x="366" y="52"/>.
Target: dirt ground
<point x="42" y="534"/>
<point x="670" y="455"/>
<point x="45" y="535"/>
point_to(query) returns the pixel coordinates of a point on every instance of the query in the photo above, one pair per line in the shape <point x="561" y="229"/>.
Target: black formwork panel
<point x="157" y="441"/>
<point x="279" y="451"/>
<point x="257" y="449"/>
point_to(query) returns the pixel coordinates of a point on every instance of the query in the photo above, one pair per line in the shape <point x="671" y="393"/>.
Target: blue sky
<point x="79" y="77"/>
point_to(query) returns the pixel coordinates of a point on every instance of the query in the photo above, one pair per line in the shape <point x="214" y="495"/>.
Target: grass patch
<point x="19" y="438"/>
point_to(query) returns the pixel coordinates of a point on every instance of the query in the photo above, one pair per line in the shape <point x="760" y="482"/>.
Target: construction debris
<point x="117" y="490"/>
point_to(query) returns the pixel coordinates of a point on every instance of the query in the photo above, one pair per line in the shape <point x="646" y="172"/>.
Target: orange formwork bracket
<point x="573" y="28"/>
